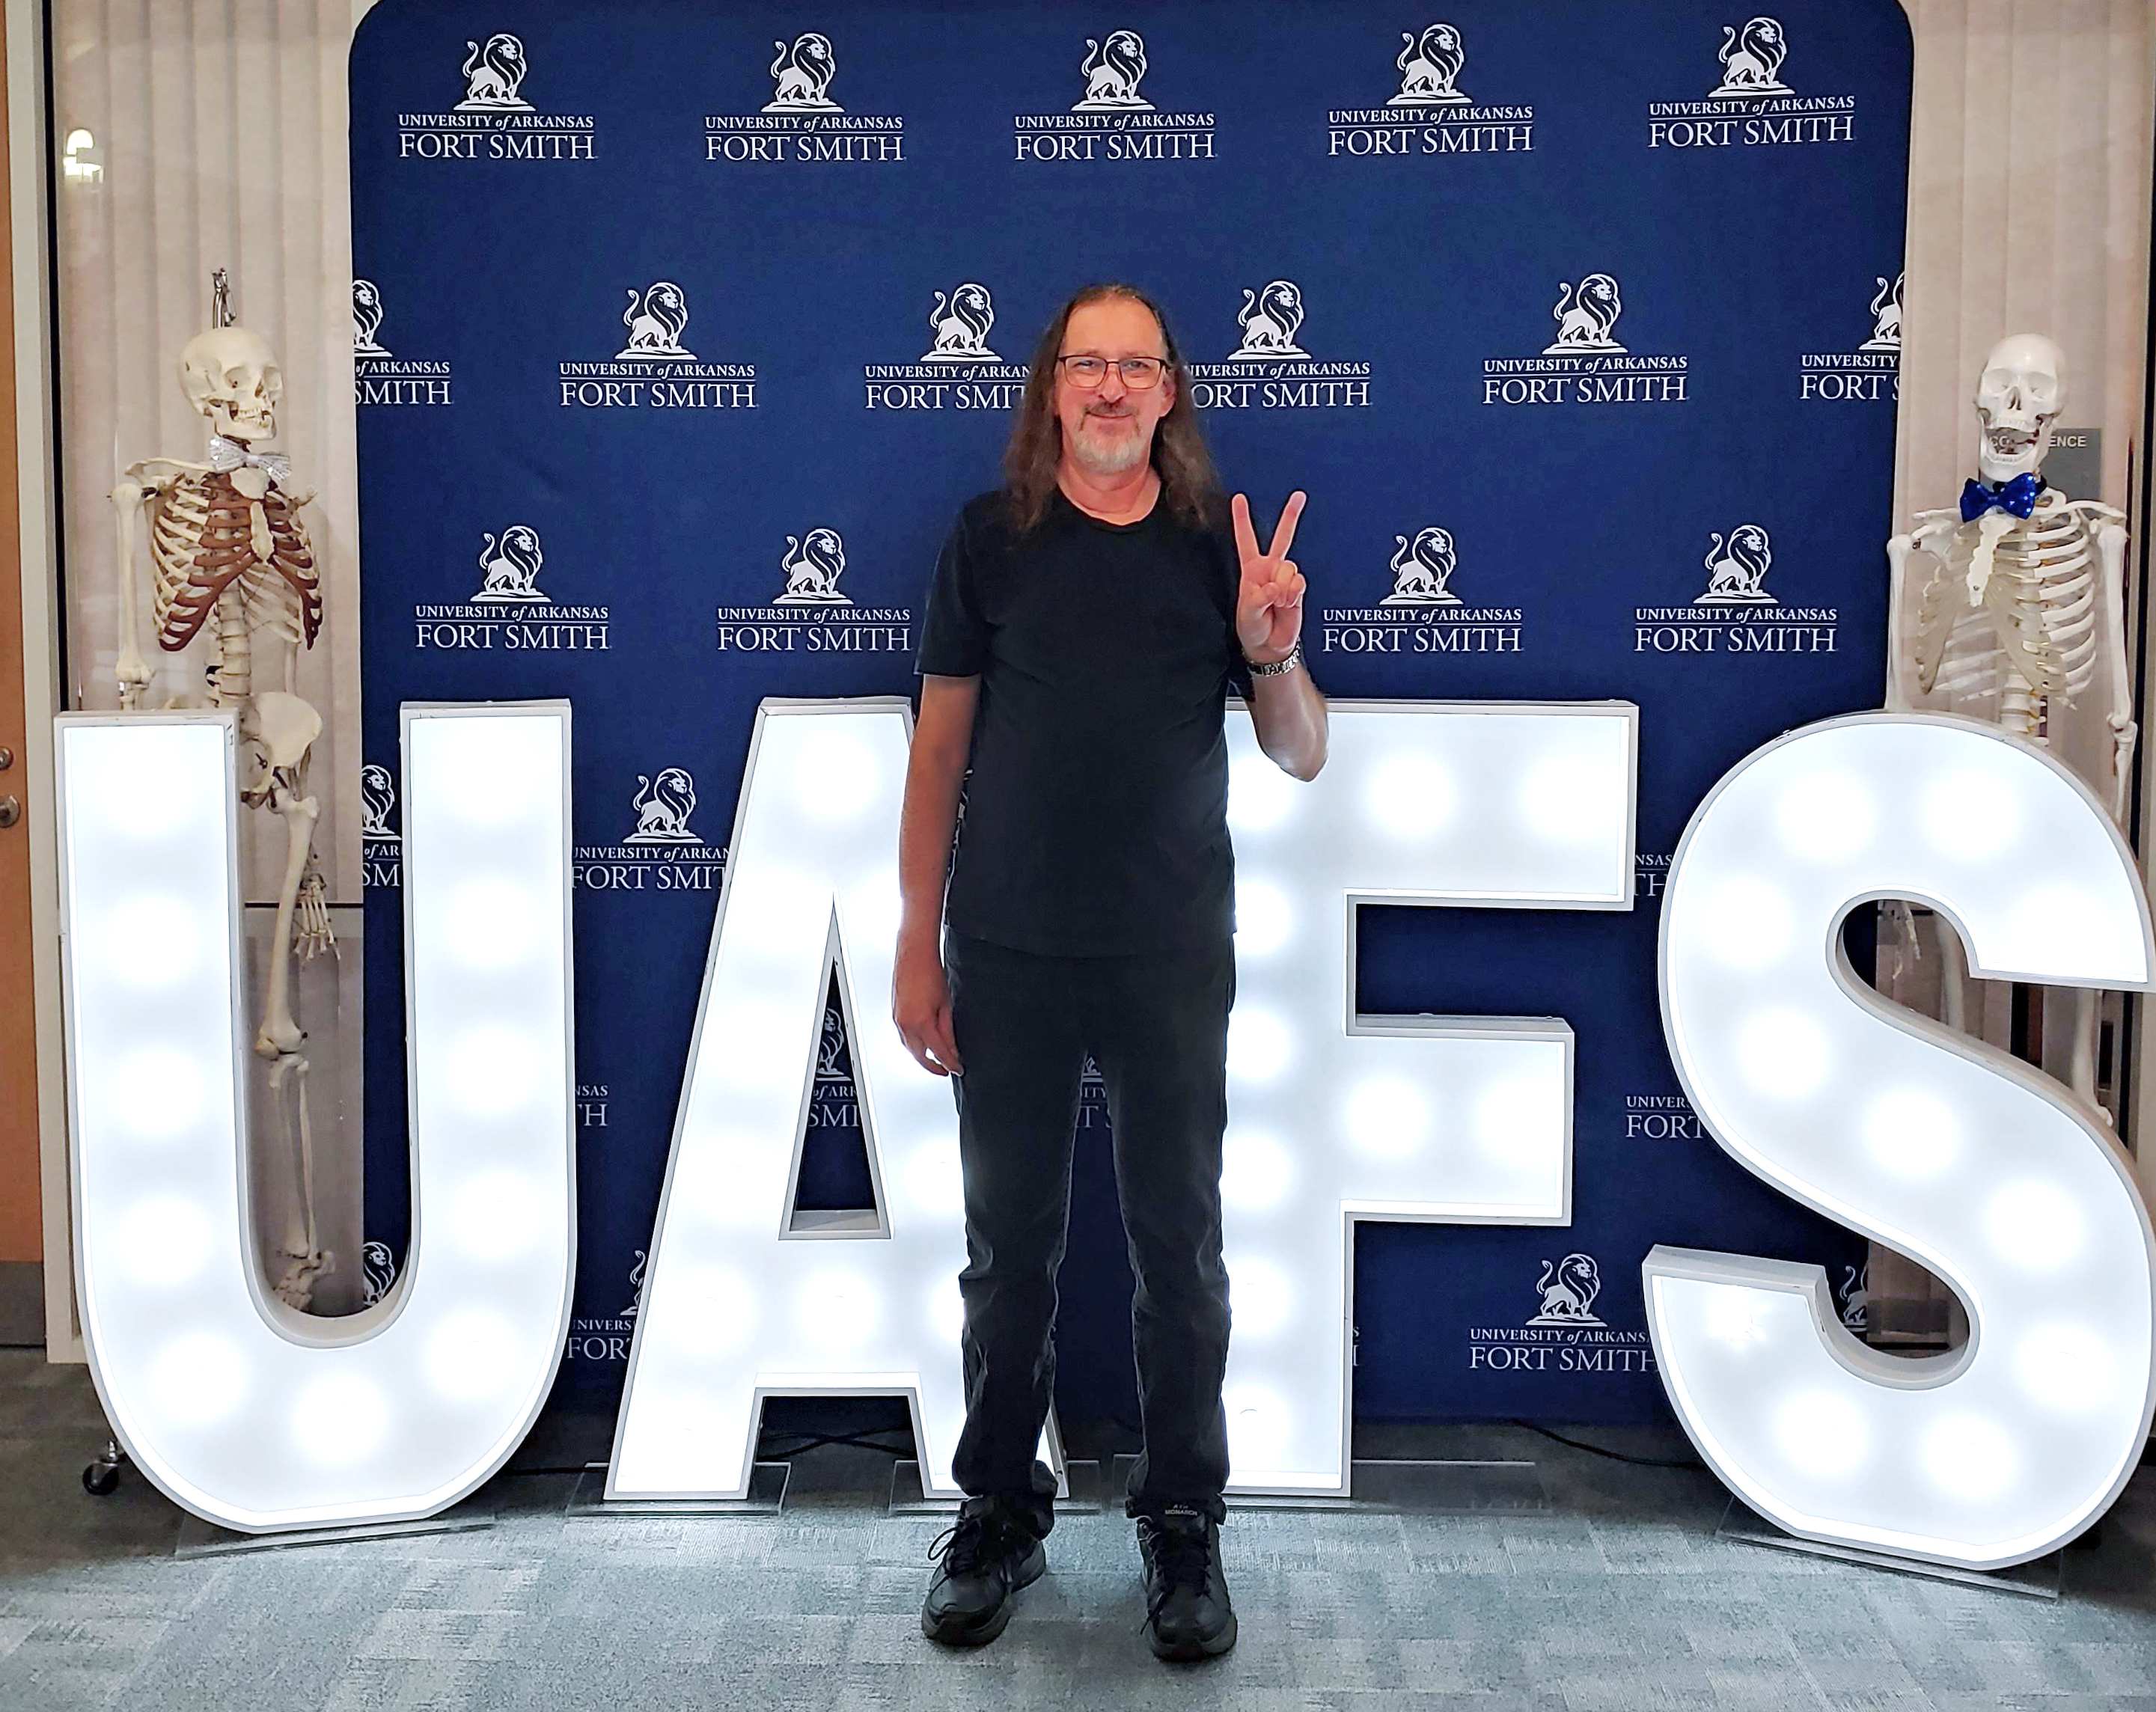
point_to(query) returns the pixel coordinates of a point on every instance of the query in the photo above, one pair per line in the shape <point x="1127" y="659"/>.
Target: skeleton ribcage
<point x="2035" y="626"/>
<point x="202" y="544"/>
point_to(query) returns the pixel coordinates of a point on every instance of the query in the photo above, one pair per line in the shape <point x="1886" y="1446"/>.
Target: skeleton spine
<point x="235" y="650"/>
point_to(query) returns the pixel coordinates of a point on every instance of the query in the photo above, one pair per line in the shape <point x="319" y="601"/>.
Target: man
<point x="1084" y="626"/>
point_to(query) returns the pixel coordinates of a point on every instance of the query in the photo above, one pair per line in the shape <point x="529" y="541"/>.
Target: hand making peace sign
<point x="1269" y="605"/>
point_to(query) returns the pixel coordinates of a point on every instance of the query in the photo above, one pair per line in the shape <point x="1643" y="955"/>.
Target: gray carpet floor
<point x="1621" y="1597"/>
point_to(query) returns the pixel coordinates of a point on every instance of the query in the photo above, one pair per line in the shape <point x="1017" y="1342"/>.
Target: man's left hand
<point x="1269" y="605"/>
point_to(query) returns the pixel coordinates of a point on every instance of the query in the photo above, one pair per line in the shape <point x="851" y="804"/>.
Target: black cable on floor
<point x="1614" y="1456"/>
<point x="816" y="1441"/>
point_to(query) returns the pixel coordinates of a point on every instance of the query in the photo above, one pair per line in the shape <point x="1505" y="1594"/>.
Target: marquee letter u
<point x="252" y="1416"/>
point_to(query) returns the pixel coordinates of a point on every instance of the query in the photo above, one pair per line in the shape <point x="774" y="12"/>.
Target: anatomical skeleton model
<point x="229" y="559"/>
<point x="2009" y="608"/>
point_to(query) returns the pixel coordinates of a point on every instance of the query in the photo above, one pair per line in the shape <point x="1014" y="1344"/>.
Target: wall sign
<point x="773" y="308"/>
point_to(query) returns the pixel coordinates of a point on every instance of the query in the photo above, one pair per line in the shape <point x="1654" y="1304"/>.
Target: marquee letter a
<point x="740" y="1303"/>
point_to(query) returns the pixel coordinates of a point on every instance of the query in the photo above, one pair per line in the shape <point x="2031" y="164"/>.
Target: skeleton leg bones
<point x="305" y="1261"/>
<point x="285" y="728"/>
<point x="2069" y="1039"/>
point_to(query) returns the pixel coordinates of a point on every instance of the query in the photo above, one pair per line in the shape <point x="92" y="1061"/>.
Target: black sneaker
<point x="988" y="1555"/>
<point x="1188" y="1615"/>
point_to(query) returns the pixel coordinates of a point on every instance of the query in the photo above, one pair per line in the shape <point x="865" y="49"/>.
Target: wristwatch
<point x="1294" y="658"/>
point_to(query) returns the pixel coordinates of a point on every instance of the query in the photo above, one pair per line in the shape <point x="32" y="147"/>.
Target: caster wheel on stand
<point x="101" y="1479"/>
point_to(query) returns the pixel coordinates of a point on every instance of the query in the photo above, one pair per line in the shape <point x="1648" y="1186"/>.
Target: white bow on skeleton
<point x="227" y="455"/>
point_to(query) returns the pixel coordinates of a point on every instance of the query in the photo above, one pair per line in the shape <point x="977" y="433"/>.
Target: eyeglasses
<point x="1141" y="374"/>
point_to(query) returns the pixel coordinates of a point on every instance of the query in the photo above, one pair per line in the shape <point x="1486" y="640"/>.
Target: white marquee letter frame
<point x="1335" y="1117"/>
<point x="1992" y="1176"/>
<point x="256" y="1417"/>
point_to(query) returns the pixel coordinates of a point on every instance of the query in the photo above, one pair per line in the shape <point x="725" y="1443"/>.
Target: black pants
<point x="1157" y="1026"/>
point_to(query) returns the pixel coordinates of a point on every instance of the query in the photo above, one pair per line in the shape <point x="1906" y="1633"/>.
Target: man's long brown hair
<point x="1187" y="480"/>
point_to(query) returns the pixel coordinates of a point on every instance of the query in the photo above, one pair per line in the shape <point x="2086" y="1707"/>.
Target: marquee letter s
<point x="1992" y="1176"/>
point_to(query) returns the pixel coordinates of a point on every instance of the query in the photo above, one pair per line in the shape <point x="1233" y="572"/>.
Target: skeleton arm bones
<point x="1929" y="524"/>
<point x="135" y="487"/>
<point x="2111" y="558"/>
<point x="132" y="671"/>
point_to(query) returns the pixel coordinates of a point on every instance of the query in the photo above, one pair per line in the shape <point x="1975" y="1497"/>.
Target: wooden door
<point x="22" y="1314"/>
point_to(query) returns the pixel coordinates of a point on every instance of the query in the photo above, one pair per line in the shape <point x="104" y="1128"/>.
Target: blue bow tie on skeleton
<point x="2018" y="496"/>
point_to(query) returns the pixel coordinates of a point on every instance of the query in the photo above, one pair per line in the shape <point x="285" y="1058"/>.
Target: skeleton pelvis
<point x="286" y="726"/>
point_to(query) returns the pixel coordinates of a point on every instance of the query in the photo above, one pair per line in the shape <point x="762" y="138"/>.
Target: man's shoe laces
<point x="1181" y="1558"/>
<point x="970" y="1541"/>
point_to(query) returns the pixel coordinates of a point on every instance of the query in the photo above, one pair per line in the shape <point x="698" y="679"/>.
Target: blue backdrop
<point x="685" y="330"/>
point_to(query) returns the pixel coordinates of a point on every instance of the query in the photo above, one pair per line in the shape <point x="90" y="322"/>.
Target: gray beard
<point x="1094" y="459"/>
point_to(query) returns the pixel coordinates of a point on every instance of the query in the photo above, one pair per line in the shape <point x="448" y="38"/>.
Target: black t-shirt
<point x="1096" y="819"/>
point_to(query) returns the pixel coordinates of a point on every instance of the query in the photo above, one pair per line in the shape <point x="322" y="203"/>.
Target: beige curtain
<point x="2028" y="187"/>
<point x="195" y="135"/>
<point x="219" y="134"/>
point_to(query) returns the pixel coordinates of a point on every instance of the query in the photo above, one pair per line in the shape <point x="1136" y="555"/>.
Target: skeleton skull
<point x="231" y="377"/>
<point x="2018" y="399"/>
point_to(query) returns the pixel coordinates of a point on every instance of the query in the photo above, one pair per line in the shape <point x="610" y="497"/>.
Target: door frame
<point x="29" y="154"/>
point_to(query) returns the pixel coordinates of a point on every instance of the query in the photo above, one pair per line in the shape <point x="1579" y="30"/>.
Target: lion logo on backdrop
<point x="663" y="807"/>
<point x="831" y="1056"/>
<point x="1421" y="568"/>
<point x="493" y="75"/>
<point x="1736" y="570"/>
<point x="366" y="318"/>
<point x="803" y="72"/>
<point x="960" y="323"/>
<point x="379" y="1267"/>
<point x="509" y="571"/>
<point x="1855" y="1293"/>
<point x="1586" y="316"/>
<point x="1886" y="316"/>
<point x="1428" y="65"/>
<point x="1752" y="61"/>
<point x="1113" y="69"/>
<point x="813" y="564"/>
<point x="1568" y="1288"/>
<point x="377" y="801"/>
<point x="655" y="317"/>
<point x="1270" y="320"/>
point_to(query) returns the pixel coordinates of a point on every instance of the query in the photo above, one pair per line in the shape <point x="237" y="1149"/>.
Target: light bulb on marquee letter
<point x="1332" y="1117"/>
<point x="254" y="1416"/>
<point x="1991" y="1174"/>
